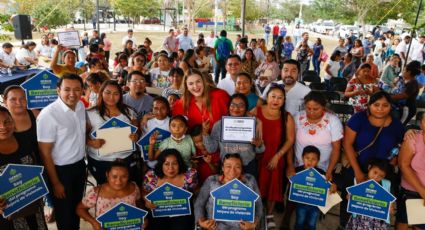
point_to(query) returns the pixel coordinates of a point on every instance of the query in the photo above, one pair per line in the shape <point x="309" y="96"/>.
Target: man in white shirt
<point x="417" y="50"/>
<point x="61" y="134"/>
<point x="233" y="67"/>
<point x="210" y="40"/>
<point x="7" y="56"/>
<point x="129" y="37"/>
<point x="401" y="49"/>
<point x="258" y="53"/>
<point x="295" y="91"/>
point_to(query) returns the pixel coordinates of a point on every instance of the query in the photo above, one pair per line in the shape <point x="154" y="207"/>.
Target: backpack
<point x="223" y="50"/>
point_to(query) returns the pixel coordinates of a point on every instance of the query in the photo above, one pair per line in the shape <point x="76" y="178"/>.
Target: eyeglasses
<point x="237" y="105"/>
<point x="137" y="81"/>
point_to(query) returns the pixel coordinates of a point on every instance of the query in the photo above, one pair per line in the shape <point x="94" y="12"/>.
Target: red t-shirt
<point x="219" y="101"/>
<point x="276" y="30"/>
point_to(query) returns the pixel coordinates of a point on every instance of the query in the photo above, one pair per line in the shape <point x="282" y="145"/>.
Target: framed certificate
<point x="238" y="129"/>
<point x="69" y="38"/>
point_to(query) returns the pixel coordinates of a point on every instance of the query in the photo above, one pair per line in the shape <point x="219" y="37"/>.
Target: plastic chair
<point x="343" y="111"/>
<point x="317" y="86"/>
<point x="311" y="76"/>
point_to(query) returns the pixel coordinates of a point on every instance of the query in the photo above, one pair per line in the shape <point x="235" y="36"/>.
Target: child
<point x="159" y="118"/>
<point x="377" y="170"/>
<point x="307" y="214"/>
<point x="207" y="163"/>
<point x="178" y="140"/>
<point x="172" y="98"/>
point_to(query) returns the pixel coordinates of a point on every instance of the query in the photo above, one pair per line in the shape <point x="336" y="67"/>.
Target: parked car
<point x="153" y="20"/>
<point x="344" y="31"/>
<point x="326" y="27"/>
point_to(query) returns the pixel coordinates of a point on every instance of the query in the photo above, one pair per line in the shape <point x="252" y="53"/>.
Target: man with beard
<point x="136" y="97"/>
<point x="295" y="91"/>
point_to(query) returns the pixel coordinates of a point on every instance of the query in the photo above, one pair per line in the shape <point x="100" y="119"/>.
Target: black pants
<point x="220" y="68"/>
<point x="73" y="178"/>
<point x="171" y="223"/>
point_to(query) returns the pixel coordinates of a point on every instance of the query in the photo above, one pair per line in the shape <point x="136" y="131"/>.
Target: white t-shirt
<point x="95" y="120"/>
<point x="23" y="53"/>
<point x="259" y="55"/>
<point x="295" y="98"/>
<point x="66" y="129"/>
<point x="46" y="51"/>
<point x="8" y="59"/>
<point x="209" y="41"/>
<point x="126" y="38"/>
<point x="159" y="78"/>
<point x="321" y="135"/>
<point x="227" y="84"/>
<point x="334" y="68"/>
<point x="417" y="51"/>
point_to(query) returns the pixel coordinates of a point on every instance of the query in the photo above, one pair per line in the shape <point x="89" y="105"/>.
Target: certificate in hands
<point x="116" y="140"/>
<point x="69" y="38"/>
<point x="238" y="129"/>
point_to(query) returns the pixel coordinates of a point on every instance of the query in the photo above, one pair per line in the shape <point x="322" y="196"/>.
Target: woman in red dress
<point x="278" y="135"/>
<point x="200" y="103"/>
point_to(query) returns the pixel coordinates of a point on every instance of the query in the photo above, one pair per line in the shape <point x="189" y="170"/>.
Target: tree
<point x="5" y="26"/>
<point x="365" y="11"/>
<point x="136" y="8"/>
<point x="253" y="10"/>
<point x="195" y="8"/>
<point x="52" y="16"/>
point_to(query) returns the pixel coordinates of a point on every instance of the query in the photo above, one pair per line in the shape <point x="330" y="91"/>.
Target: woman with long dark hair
<point x="109" y="104"/>
<point x="272" y="164"/>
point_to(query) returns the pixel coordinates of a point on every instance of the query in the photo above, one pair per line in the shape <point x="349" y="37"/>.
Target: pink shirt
<point x="107" y="44"/>
<point x="417" y="164"/>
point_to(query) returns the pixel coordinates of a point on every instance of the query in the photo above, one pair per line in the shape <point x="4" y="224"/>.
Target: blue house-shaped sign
<point x="170" y="200"/>
<point x="234" y="201"/>
<point x="40" y="90"/>
<point x="122" y="216"/>
<point x="143" y="142"/>
<point x="20" y="185"/>
<point x="370" y="199"/>
<point x="309" y="187"/>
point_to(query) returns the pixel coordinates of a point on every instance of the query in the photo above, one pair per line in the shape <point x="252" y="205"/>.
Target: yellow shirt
<point x="65" y="69"/>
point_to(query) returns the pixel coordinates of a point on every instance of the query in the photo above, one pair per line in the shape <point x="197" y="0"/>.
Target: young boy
<point x="307" y="214"/>
<point x="207" y="164"/>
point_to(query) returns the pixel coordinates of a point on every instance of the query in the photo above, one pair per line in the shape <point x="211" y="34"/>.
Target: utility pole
<point x="243" y="17"/>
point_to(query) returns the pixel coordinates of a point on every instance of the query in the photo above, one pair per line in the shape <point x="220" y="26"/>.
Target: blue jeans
<point x="306" y="214"/>
<point x="316" y="64"/>
<point x="220" y="67"/>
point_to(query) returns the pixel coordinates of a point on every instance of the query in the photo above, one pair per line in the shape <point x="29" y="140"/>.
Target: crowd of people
<point x="196" y="84"/>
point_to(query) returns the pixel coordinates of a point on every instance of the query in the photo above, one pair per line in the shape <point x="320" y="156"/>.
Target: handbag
<point x="324" y="57"/>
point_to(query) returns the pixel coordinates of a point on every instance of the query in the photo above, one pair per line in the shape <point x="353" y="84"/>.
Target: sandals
<point x="49" y="214"/>
<point x="270" y="222"/>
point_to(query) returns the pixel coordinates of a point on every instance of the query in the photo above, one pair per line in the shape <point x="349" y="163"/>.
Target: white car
<point x="344" y="31"/>
<point x="326" y="27"/>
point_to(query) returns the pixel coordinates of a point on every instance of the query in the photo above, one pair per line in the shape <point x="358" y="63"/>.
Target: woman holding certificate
<point x="109" y="104"/>
<point x="412" y="157"/>
<point x="169" y="169"/>
<point x="278" y="141"/>
<point x="238" y="108"/>
<point x="15" y="149"/>
<point x="200" y="102"/>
